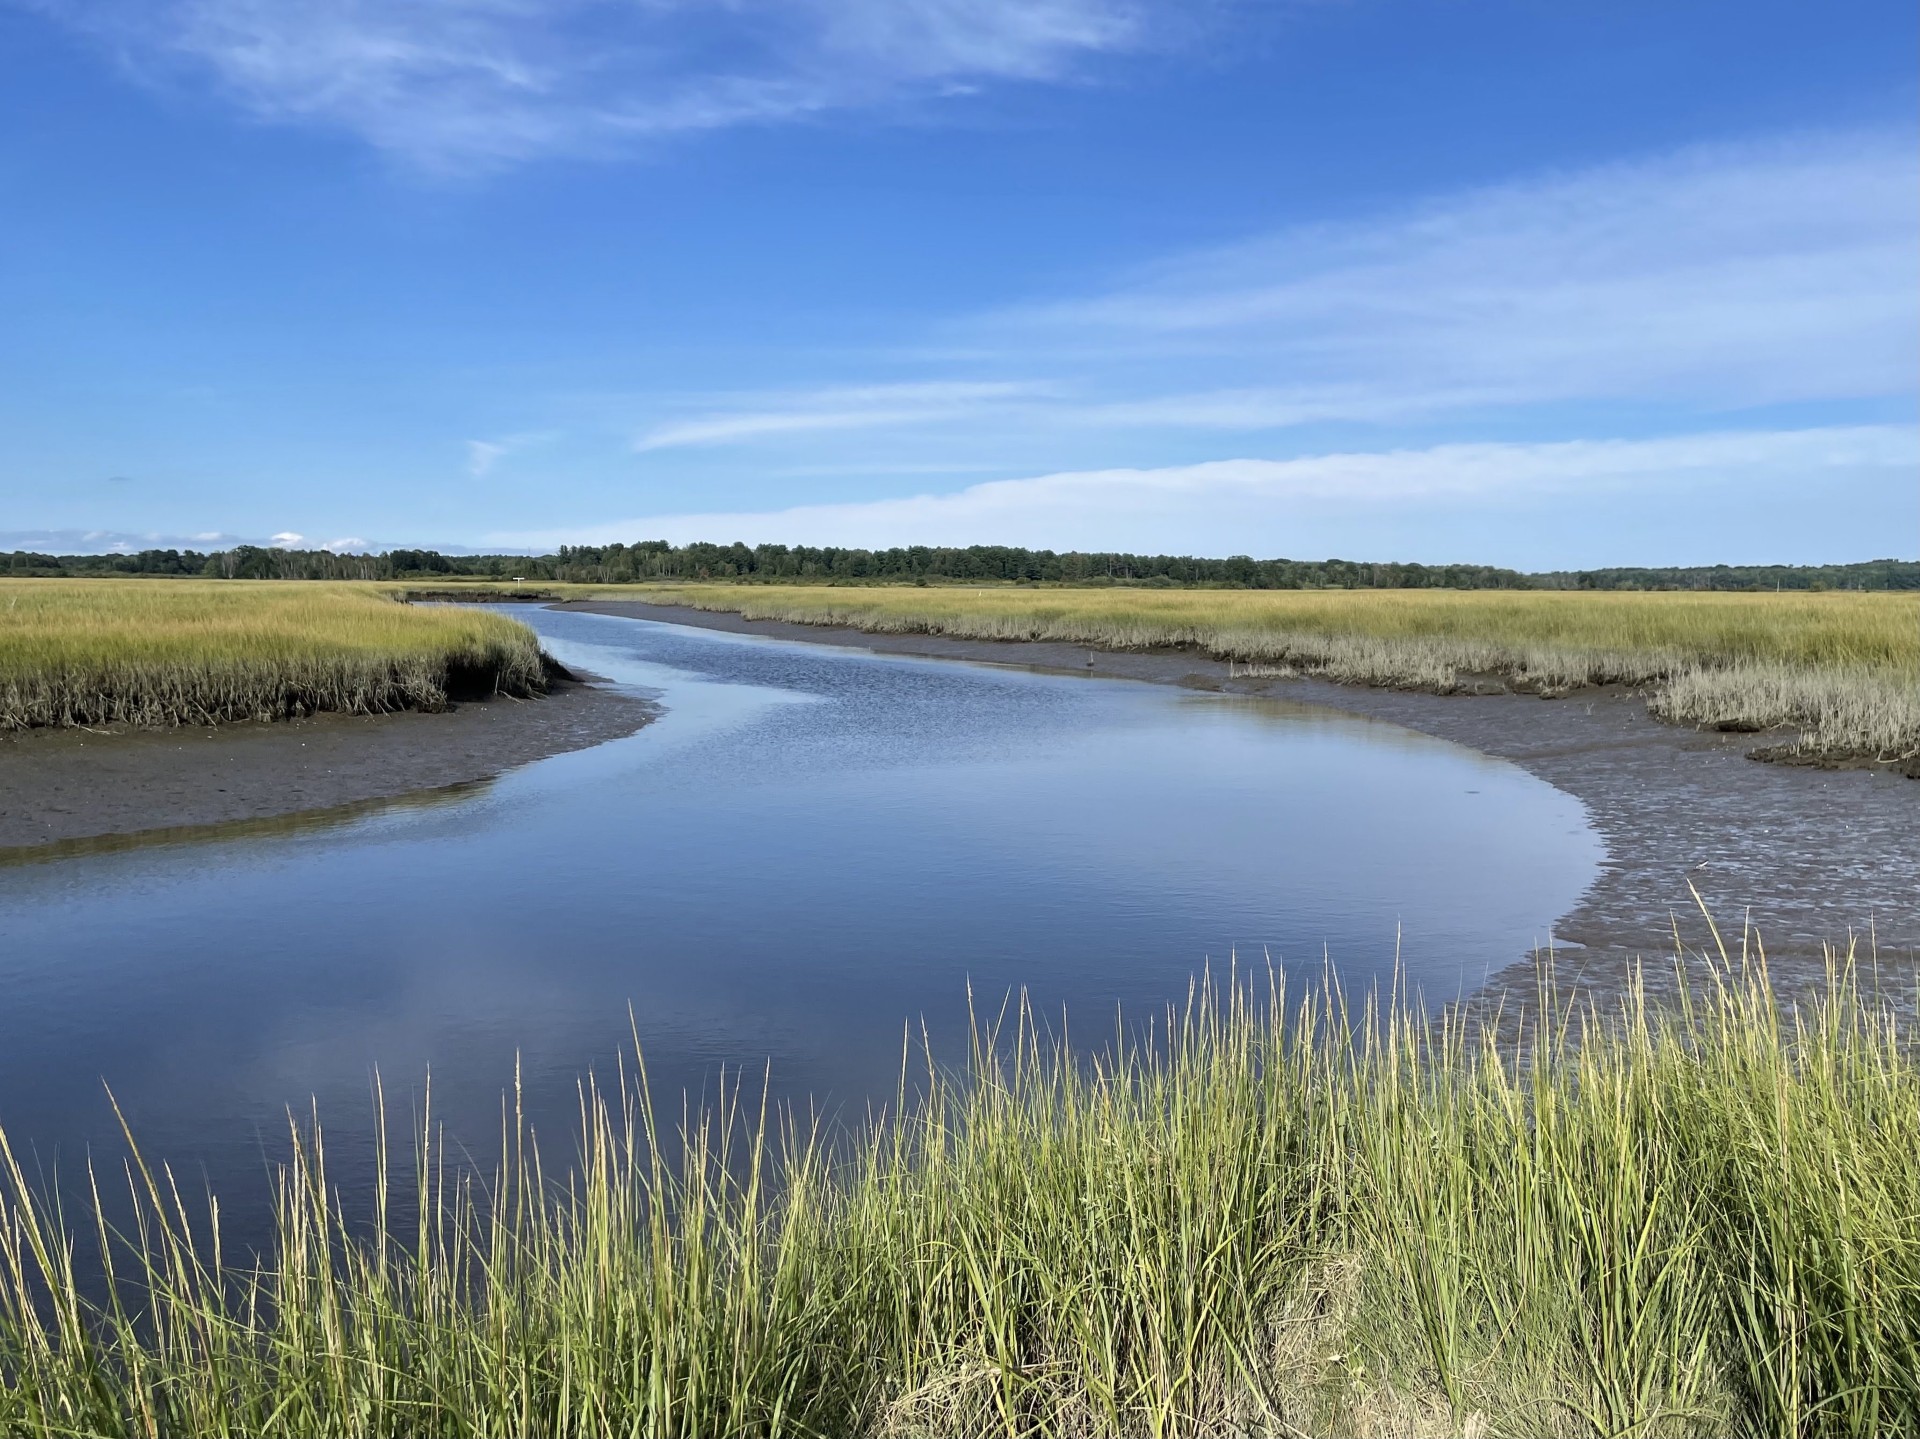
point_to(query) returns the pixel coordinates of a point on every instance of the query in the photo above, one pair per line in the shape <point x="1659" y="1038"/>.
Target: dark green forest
<point x="923" y="564"/>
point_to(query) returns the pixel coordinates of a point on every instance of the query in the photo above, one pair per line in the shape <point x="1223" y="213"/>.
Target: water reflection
<point x="809" y="849"/>
<point x="233" y="831"/>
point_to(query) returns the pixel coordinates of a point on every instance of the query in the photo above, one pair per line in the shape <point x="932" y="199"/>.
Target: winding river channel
<point x="810" y="849"/>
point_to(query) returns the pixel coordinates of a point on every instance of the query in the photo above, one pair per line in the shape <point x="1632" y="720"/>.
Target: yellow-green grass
<point x="92" y="652"/>
<point x="1270" y="1218"/>
<point x="1840" y="669"/>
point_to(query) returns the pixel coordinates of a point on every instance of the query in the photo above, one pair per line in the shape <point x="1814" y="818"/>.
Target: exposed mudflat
<point x="68" y="785"/>
<point x="1810" y="856"/>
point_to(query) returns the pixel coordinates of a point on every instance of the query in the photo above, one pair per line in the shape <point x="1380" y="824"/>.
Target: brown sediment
<point x="1812" y="757"/>
<point x="1811" y="856"/>
<point x="59" y="787"/>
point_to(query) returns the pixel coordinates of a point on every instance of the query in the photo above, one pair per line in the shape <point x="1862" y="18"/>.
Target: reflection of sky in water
<point x="809" y="848"/>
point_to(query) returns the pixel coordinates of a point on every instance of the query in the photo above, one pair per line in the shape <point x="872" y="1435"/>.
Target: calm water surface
<point x="810" y="848"/>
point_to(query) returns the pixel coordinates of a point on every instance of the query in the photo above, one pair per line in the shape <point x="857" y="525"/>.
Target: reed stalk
<point x="1271" y="1213"/>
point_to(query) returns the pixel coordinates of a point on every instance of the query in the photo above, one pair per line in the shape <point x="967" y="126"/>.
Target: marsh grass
<point x="1842" y="670"/>
<point x="91" y="652"/>
<point x="1270" y="1215"/>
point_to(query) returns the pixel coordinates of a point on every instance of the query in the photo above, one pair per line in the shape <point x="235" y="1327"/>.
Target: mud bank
<point x="69" y="785"/>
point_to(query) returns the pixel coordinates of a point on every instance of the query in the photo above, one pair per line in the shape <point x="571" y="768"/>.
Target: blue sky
<point x="1530" y="283"/>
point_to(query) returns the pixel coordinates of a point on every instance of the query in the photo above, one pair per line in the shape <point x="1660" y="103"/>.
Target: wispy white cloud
<point x="1278" y="407"/>
<point x="474" y="82"/>
<point x="1233" y="505"/>
<point x="883" y="467"/>
<point x="481" y="455"/>
<point x="1714" y="279"/>
<point x="287" y="540"/>
<point x="1724" y="275"/>
<point x="868" y="407"/>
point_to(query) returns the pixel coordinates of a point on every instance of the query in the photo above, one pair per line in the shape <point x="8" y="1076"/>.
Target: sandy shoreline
<point x="1808" y="854"/>
<point x="63" y="786"/>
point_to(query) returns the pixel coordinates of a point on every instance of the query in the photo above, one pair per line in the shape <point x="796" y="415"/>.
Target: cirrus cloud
<point x="473" y="83"/>
<point x="1252" y="505"/>
<point x="1713" y="278"/>
<point x="862" y="407"/>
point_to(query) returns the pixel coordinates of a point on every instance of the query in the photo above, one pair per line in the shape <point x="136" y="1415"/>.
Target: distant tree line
<point x="787" y="564"/>
<point x="1867" y="575"/>
<point x="931" y="564"/>
<point x="242" y="562"/>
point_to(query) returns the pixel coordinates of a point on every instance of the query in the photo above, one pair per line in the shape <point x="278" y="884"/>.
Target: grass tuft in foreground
<point x="1700" y="1221"/>
<point x="88" y="652"/>
<point x="1842" y="670"/>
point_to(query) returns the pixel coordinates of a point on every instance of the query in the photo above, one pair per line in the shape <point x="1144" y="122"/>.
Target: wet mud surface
<point x="67" y="786"/>
<point x="1809" y="857"/>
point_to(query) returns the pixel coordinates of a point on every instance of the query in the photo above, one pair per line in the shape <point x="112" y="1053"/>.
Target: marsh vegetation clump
<point x="1271" y="1215"/>
<point x="1839" y="671"/>
<point x="99" y="652"/>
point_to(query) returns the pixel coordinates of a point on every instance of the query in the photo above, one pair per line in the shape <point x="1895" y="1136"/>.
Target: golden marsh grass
<point x="1265" y="1218"/>
<point x="87" y="652"/>
<point x="1841" y="669"/>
